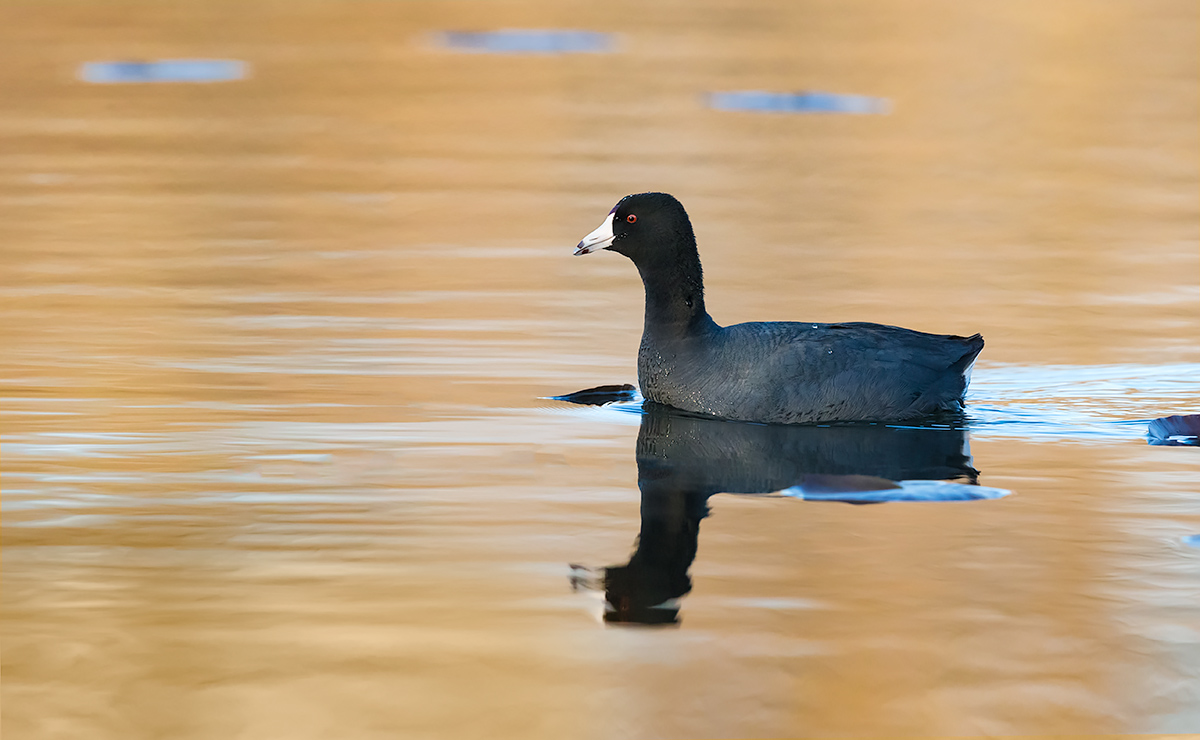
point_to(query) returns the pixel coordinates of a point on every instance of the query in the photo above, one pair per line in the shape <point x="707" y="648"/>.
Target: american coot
<point x="773" y="372"/>
<point x="683" y="460"/>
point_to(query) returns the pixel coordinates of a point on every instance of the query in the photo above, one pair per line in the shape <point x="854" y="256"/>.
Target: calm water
<point x="278" y="459"/>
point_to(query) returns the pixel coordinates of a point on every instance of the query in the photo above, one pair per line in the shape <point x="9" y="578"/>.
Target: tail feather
<point x="947" y="391"/>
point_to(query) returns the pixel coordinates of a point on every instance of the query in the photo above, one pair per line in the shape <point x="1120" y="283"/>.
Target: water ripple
<point x="1078" y="402"/>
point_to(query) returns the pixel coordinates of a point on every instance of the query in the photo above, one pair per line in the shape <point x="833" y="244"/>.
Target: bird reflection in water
<point x="682" y="460"/>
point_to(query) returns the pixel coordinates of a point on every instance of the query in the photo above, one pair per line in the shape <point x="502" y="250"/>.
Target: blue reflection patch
<point x="857" y="489"/>
<point x="802" y="102"/>
<point x="164" y="70"/>
<point x="1192" y="540"/>
<point x="528" y="41"/>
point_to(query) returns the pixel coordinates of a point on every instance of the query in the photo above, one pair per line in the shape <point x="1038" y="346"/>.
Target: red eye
<point x="631" y="218"/>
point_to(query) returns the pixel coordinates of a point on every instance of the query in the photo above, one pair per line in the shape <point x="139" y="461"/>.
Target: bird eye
<point x="631" y="218"/>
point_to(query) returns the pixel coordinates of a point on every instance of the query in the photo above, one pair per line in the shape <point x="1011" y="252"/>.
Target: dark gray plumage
<point x="774" y="372"/>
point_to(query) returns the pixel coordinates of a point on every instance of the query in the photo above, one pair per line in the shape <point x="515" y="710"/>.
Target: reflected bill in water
<point x="683" y="460"/>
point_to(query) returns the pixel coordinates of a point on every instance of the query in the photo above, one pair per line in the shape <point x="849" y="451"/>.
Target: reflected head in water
<point x="682" y="460"/>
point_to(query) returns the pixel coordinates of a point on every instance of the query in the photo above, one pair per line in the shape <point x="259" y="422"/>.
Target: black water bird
<point x="772" y="372"/>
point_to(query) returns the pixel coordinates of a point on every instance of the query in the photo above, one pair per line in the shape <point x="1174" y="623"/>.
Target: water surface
<point x="276" y="449"/>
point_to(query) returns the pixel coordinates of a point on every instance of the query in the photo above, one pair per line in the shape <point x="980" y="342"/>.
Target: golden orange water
<point x="274" y="454"/>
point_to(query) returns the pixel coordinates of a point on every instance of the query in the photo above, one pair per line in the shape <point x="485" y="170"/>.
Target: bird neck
<point x="675" y="299"/>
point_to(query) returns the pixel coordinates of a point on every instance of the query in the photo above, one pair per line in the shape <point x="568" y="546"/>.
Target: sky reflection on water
<point x="528" y="41"/>
<point x="164" y="70"/>
<point x="801" y="102"/>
